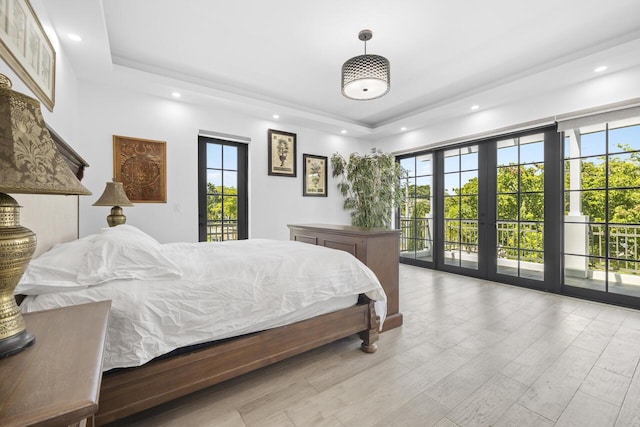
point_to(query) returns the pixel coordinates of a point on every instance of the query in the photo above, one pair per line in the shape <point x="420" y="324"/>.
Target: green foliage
<point x="370" y="185"/>
<point x="222" y="203"/>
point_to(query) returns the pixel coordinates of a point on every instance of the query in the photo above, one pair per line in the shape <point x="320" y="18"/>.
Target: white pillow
<point x="55" y="270"/>
<point x="125" y="252"/>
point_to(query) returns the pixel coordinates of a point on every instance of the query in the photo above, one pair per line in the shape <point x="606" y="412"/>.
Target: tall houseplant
<point x="371" y="186"/>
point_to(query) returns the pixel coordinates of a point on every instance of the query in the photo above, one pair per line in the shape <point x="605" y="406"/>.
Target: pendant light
<point x="365" y="76"/>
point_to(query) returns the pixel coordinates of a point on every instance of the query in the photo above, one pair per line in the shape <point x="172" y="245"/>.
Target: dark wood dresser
<point x="56" y="381"/>
<point x="377" y="248"/>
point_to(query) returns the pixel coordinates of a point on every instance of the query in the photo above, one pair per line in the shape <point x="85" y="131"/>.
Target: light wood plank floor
<point x="470" y="353"/>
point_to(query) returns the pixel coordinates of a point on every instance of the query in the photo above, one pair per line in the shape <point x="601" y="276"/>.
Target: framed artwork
<point x="282" y="153"/>
<point x="27" y="50"/>
<point x="141" y="166"/>
<point x="314" y="181"/>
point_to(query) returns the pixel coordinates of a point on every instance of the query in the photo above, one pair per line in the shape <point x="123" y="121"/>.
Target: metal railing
<point x="524" y="241"/>
<point x="218" y="231"/>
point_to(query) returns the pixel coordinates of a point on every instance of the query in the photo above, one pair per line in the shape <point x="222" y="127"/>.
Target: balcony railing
<point x="217" y="231"/>
<point x="526" y="239"/>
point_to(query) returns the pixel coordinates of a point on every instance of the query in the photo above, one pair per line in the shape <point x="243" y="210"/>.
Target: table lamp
<point x="29" y="164"/>
<point x="114" y="195"/>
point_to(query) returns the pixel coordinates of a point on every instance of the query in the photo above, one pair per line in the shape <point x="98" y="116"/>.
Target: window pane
<point x="592" y="202"/>
<point x="469" y="232"/>
<point x="592" y="144"/>
<point x="451" y="183"/>
<point x="469" y="161"/>
<point x="230" y="181"/>
<point x="507" y="179"/>
<point x="624" y="242"/>
<point x="214" y="208"/>
<point x="423" y="250"/>
<point x="423" y="165"/>
<point x="584" y="272"/>
<point x="507" y="206"/>
<point x="452" y="254"/>
<point x="624" y="170"/>
<point x="409" y="165"/>
<point x="423" y="186"/>
<point x="423" y="208"/>
<point x="624" y="277"/>
<point x="532" y="177"/>
<point x="452" y="207"/>
<point x="214" y="181"/>
<point x="592" y="172"/>
<point x="532" y="152"/>
<point x="407" y="208"/>
<point x="532" y="207"/>
<point x="214" y="156"/>
<point x="230" y="208"/>
<point x="507" y="235"/>
<point x="452" y="230"/>
<point x="230" y="230"/>
<point x="508" y="156"/>
<point x="624" y="206"/>
<point x="469" y="207"/>
<point x="469" y="182"/>
<point x="532" y="236"/>
<point x="624" y="139"/>
<point x="452" y="160"/>
<point x="230" y="157"/>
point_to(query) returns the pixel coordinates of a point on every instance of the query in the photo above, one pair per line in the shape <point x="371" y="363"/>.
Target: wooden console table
<point x="377" y="248"/>
<point x="56" y="381"/>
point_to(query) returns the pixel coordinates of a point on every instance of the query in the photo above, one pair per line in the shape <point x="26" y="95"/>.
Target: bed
<point x="172" y="328"/>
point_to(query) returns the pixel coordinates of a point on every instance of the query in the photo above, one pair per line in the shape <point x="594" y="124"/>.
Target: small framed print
<point x="282" y="153"/>
<point x="314" y="182"/>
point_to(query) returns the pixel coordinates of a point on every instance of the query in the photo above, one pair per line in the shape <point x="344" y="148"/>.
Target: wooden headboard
<point x="53" y="218"/>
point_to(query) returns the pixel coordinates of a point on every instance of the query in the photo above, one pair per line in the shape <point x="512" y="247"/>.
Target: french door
<point x="222" y="190"/>
<point x="494" y="207"/>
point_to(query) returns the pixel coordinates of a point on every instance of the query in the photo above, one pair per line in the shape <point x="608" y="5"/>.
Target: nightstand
<point x="56" y="382"/>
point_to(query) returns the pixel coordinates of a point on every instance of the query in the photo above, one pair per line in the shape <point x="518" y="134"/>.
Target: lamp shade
<point x="29" y="159"/>
<point x="113" y="195"/>
<point x="366" y="76"/>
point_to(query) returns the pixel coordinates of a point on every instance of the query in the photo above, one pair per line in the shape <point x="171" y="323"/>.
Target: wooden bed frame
<point x="132" y="390"/>
<point x="128" y="391"/>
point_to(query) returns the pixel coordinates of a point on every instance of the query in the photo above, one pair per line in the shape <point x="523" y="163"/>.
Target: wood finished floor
<point x="470" y="353"/>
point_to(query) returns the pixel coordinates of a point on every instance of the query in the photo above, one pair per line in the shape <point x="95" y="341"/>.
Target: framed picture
<point x="282" y="153"/>
<point x="27" y="50"/>
<point x="141" y="166"/>
<point x="314" y="181"/>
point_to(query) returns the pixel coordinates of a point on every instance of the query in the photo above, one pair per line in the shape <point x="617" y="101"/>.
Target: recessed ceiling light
<point x="403" y="128"/>
<point x="75" y="37"/>
<point x="600" y="69"/>
<point x="475" y="107"/>
<point x="276" y="116"/>
<point x="343" y="131"/>
<point x="176" y="94"/>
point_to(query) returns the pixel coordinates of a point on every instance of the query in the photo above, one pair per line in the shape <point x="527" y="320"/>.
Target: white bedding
<point x="271" y="283"/>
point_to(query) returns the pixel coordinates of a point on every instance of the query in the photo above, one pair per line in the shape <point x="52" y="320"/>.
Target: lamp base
<point x="117" y="217"/>
<point x="17" y="244"/>
<point x="15" y="344"/>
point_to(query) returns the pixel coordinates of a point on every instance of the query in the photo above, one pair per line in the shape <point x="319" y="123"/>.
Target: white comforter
<point x="225" y="289"/>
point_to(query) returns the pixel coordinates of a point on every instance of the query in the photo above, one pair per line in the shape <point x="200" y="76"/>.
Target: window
<point x="222" y="191"/>
<point x="415" y="216"/>
<point x="602" y="207"/>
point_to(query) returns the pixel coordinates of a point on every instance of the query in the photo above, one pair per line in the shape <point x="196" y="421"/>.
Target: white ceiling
<point x="284" y="56"/>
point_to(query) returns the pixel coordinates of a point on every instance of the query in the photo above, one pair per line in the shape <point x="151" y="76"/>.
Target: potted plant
<point x="371" y="186"/>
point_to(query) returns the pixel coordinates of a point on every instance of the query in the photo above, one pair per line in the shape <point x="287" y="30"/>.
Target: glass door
<point x="460" y="199"/>
<point x="520" y="206"/>
<point x="415" y="217"/>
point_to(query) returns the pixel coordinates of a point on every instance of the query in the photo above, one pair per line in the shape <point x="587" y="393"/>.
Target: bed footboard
<point x="133" y="390"/>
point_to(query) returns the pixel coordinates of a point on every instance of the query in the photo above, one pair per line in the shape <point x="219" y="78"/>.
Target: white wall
<point x="274" y="202"/>
<point x="542" y="99"/>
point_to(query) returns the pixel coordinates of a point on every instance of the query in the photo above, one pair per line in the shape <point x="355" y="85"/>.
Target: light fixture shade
<point x="113" y="195"/>
<point x="29" y="159"/>
<point x="366" y="77"/>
